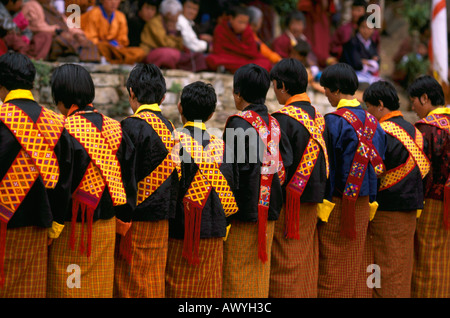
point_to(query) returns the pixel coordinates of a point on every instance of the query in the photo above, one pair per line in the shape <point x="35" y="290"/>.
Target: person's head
<point x="359" y="8"/>
<point x="289" y="77"/>
<point x="381" y="98"/>
<point x="425" y="94"/>
<point x="363" y="27"/>
<point x="239" y="19"/>
<point x="12" y="5"/>
<point x="72" y="85"/>
<point x="170" y="9"/>
<point x="339" y="80"/>
<point x="16" y="72"/>
<point x="145" y="85"/>
<point x="255" y="18"/>
<point x="197" y="102"/>
<point x="300" y="51"/>
<point x="110" y="6"/>
<point x="147" y="9"/>
<point x="190" y="9"/>
<point x="250" y="85"/>
<point x="295" y="23"/>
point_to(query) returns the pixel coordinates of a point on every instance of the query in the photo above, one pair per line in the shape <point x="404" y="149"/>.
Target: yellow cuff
<point x="228" y="231"/>
<point x="373" y="209"/>
<point x="122" y="227"/>
<point x="419" y="212"/>
<point x="324" y="210"/>
<point x="55" y="230"/>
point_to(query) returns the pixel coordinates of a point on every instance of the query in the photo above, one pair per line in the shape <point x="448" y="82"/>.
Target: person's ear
<point x="180" y="108"/>
<point x="423" y="99"/>
<point x="381" y="105"/>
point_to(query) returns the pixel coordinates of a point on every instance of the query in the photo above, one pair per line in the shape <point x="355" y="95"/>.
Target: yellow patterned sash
<point x="299" y="180"/>
<point x="36" y="158"/>
<point x="103" y="169"/>
<point x="148" y="185"/>
<point x="416" y="157"/>
<point x="101" y="147"/>
<point x="208" y="177"/>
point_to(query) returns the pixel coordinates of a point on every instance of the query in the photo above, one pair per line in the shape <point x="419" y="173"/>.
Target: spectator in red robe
<point x="234" y="44"/>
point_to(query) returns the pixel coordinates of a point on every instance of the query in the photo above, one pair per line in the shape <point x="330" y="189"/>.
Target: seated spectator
<point x="361" y="53"/>
<point x="234" y="44"/>
<point x="107" y="28"/>
<point x="344" y="33"/>
<point x="163" y="44"/>
<point x="293" y="33"/>
<point x="256" y="21"/>
<point x="300" y="52"/>
<point x="147" y="9"/>
<point x="68" y="44"/>
<point x="185" y="24"/>
<point x="19" y="37"/>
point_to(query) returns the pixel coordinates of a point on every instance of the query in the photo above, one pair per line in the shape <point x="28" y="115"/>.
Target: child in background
<point x="206" y="200"/>
<point x="107" y="27"/>
<point x="234" y="44"/>
<point x="147" y="9"/>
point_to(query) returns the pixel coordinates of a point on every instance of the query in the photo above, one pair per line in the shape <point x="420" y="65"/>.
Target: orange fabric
<point x="25" y="263"/>
<point x="144" y="277"/>
<point x="97" y="28"/>
<point x="203" y="280"/>
<point x="294" y="265"/>
<point x="390" y="115"/>
<point x="273" y="56"/>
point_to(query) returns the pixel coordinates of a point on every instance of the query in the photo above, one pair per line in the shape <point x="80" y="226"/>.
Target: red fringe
<point x="86" y="213"/>
<point x="292" y="217"/>
<point x="348" y="218"/>
<point x="263" y="213"/>
<point x="192" y="224"/>
<point x="125" y="246"/>
<point x="2" y="252"/>
<point x="447" y="207"/>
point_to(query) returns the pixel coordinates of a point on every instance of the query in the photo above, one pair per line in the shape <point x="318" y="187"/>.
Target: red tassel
<point x="125" y="246"/>
<point x="75" y="207"/>
<point x="447" y="207"/>
<point x="83" y="214"/>
<point x="263" y="213"/>
<point x="348" y="218"/>
<point x="192" y="225"/>
<point x="90" y="220"/>
<point x="292" y="217"/>
<point x="2" y="253"/>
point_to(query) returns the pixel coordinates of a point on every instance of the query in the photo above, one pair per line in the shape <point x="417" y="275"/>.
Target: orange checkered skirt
<point x="184" y="280"/>
<point x="144" y="277"/>
<point x="342" y="261"/>
<point x="25" y="263"/>
<point x="391" y="234"/>
<point x="294" y="267"/>
<point x="431" y="271"/>
<point x="95" y="273"/>
<point x="244" y="274"/>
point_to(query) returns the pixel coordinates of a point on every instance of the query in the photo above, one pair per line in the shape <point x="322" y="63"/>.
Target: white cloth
<point x="190" y="38"/>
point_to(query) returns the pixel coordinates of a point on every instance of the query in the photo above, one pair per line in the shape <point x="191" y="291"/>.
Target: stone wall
<point x="111" y="96"/>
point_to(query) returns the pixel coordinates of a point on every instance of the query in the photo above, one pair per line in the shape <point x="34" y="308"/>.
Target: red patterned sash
<point x="272" y="163"/>
<point x="364" y="154"/>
